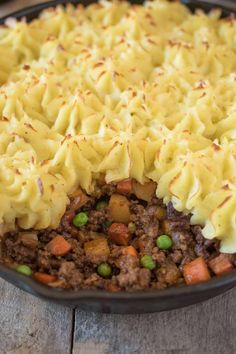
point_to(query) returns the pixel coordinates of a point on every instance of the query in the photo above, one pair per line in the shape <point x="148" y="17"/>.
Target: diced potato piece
<point x="95" y="235"/>
<point x="29" y="239"/>
<point x="160" y="213"/>
<point x="119" y="208"/>
<point x="166" y="226"/>
<point x="119" y="234"/>
<point x="221" y="264"/>
<point x="144" y="191"/>
<point x="76" y="193"/>
<point x="98" y="247"/>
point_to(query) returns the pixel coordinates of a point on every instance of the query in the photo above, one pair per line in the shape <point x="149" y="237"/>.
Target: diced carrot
<point x="131" y="251"/>
<point x="112" y="287"/>
<point x="69" y="216"/>
<point x="196" y="271"/>
<point x="44" y="278"/>
<point x="125" y="186"/>
<point x="119" y="234"/>
<point x="97" y="247"/>
<point x="221" y="264"/>
<point x="58" y="246"/>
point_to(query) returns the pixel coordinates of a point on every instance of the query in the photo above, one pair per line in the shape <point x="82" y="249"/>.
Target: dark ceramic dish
<point x="124" y="302"/>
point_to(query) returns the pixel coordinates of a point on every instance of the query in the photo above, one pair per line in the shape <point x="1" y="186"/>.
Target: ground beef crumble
<point x="77" y="269"/>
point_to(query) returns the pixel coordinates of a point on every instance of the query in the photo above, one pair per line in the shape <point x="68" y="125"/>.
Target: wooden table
<point x="31" y="326"/>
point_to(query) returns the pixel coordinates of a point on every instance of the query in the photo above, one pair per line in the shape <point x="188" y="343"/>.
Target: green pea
<point x="148" y="262"/>
<point x="164" y="242"/>
<point x="24" y="269"/>
<point x="104" y="270"/>
<point x="132" y="227"/>
<point x="80" y="219"/>
<point x="101" y="204"/>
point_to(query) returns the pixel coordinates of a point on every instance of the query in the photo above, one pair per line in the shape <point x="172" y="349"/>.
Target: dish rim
<point x="229" y="5"/>
<point x="44" y="291"/>
<point x="55" y="294"/>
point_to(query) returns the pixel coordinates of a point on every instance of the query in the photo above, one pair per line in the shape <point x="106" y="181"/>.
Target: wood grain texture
<point x="206" y="328"/>
<point x="11" y="6"/>
<point x="31" y="326"/>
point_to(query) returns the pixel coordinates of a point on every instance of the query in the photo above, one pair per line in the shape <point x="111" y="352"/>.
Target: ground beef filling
<point x="113" y="240"/>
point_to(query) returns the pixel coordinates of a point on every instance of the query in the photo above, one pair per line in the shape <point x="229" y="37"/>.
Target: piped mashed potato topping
<point x="121" y="91"/>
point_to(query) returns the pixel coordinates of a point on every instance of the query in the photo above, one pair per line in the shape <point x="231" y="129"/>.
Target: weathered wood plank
<point x="206" y="328"/>
<point x="32" y="326"/>
<point x="11" y="6"/>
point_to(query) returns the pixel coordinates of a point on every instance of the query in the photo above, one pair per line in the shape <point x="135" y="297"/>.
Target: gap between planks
<point x="32" y="326"/>
<point x="204" y="328"/>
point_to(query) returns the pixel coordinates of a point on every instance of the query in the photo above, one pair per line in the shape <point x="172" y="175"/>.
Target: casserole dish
<point x="134" y="302"/>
